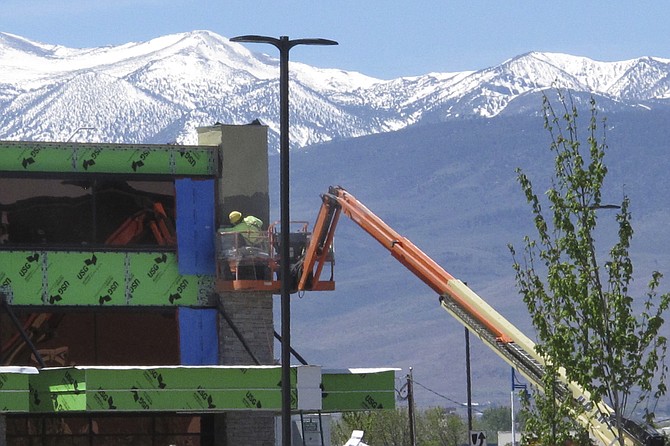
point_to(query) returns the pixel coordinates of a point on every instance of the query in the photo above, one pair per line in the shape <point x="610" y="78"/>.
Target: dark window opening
<point x="86" y="212"/>
<point x="108" y="430"/>
<point x="109" y="337"/>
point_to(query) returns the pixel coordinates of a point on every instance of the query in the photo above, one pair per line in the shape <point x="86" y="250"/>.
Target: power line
<point x="442" y="396"/>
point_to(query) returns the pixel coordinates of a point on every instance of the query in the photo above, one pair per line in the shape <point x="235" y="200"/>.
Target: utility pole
<point x="410" y="408"/>
<point x="468" y="378"/>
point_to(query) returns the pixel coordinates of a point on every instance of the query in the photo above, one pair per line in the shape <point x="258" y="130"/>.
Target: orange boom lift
<point x="464" y="304"/>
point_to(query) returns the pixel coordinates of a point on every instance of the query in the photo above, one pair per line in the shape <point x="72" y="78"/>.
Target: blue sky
<point x="380" y="38"/>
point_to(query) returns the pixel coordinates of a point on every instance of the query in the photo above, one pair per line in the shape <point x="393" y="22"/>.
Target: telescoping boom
<point x="461" y="302"/>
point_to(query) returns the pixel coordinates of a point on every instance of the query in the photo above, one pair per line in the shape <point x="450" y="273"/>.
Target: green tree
<point x="434" y="427"/>
<point x="438" y="427"/>
<point x="579" y="295"/>
<point x="492" y="420"/>
<point x="381" y="427"/>
<point x="341" y="429"/>
<point x="550" y="415"/>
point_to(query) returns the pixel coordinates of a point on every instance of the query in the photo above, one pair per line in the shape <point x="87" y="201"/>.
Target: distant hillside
<point x="451" y="189"/>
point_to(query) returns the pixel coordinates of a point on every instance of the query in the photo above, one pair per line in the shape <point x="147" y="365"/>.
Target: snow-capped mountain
<point x="160" y="90"/>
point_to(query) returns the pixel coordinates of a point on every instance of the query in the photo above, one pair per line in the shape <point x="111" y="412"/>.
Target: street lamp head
<point x="604" y="206"/>
<point x="282" y="42"/>
<point x="324" y="42"/>
<point x="255" y="39"/>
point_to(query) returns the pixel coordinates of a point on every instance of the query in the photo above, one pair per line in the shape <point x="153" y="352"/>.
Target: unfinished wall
<point x="244" y="161"/>
<point x="243" y="186"/>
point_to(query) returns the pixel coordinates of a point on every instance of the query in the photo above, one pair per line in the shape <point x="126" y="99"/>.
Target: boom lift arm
<point x="461" y="302"/>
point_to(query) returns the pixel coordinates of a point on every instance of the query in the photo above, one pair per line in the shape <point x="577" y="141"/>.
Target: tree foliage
<point x="434" y="427"/>
<point x="384" y="427"/>
<point x="492" y="420"/>
<point x="438" y="427"/>
<point x="550" y="415"/>
<point x="580" y="295"/>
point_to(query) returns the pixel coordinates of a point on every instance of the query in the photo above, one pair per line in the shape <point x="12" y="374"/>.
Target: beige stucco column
<point x="243" y="185"/>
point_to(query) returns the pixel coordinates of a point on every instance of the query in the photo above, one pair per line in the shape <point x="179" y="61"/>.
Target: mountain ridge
<point x="199" y="78"/>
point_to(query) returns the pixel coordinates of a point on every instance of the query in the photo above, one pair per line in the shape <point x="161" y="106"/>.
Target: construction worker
<point x="249" y="227"/>
<point x="252" y="264"/>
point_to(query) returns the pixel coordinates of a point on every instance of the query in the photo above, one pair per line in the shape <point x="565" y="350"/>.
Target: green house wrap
<point x="198" y="389"/>
<point x="15" y="388"/>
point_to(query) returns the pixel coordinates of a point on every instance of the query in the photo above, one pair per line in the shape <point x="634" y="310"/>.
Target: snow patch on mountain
<point x="159" y="90"/>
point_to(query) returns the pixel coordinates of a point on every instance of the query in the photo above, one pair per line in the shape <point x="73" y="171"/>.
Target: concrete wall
<point x="243" y="186"/>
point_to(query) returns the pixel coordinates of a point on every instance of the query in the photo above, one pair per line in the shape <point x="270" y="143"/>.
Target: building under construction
<point x="128" y="317"/>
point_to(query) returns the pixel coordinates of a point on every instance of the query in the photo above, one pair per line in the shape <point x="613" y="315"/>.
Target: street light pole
<point x="468" y="379"/>
<point x="284" y="45"/>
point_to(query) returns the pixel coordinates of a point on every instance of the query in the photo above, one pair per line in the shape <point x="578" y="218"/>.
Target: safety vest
<point x="250" y="228"/>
